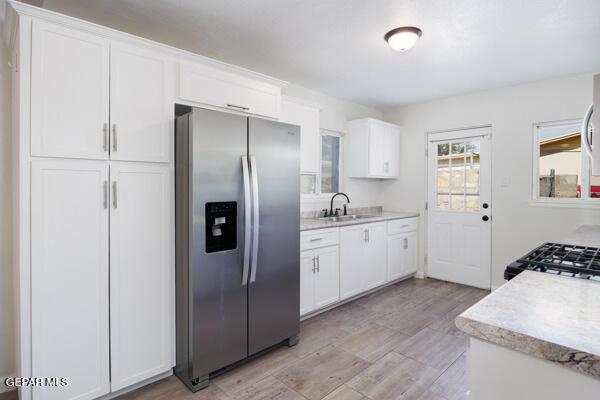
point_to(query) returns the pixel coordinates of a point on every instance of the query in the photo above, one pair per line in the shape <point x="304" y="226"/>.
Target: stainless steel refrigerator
<point x="237" y="213"/>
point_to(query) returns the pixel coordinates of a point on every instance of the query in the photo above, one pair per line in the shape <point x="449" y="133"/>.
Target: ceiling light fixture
<point x="404" y="38"/>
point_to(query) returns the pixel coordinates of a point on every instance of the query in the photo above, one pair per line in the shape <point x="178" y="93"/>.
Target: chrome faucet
<point x="331" y="212"/>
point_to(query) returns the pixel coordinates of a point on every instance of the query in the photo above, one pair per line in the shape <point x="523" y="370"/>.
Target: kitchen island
<point x="537" y="336"/>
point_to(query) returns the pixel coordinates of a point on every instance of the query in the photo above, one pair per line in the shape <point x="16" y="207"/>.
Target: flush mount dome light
<point x="402" y="39"/>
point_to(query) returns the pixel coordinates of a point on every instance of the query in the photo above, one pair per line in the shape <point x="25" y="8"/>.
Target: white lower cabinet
<point x="319" y="278"/>
<point x="140" y="272"/>
<point x="76" y="263"/>
<point x="362" y="258"/>
<point x="401" y="255"/>
<point x="375" y="264"/>
<point x="69" y="277"/>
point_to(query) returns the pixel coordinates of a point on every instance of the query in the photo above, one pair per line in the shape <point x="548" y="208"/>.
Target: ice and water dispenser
<point x="221" y="226"/>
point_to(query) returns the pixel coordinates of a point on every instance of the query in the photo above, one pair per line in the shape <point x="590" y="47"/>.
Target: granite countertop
<point x="556" y="318"/>
<point x="307" y="224"/>
<point x="585" y="235"/>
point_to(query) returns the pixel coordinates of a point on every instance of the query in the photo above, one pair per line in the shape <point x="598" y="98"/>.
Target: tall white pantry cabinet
<point x="93" y="134"/>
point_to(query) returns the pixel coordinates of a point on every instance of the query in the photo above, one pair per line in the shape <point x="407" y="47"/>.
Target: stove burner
<point x="560" y="259"/>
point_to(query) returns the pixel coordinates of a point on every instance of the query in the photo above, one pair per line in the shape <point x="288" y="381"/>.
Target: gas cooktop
<point x="560" y="259"/>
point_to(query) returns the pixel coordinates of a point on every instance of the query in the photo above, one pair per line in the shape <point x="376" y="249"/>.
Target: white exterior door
<point x="459" y="212"/>
<point x="140" y="115"/>
<point x="140" y="272"/>
<point x="307" y="281"/>
<point x="69" y="93"/>
<point x="327" y="278"/>
<point x="69" y="277"/>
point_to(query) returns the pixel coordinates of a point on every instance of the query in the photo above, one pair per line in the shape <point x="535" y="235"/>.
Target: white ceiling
<point x="337" y="46"/>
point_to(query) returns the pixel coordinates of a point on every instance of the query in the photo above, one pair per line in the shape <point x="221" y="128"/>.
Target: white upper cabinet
<point x="69" y="277"/>
<point x="373" y="149"/>
<point x="69" y="93"/>
<point x="140" y="112"/>
<point x="307" y="118"/>
<point x="220" y="88"/>
<point x="140" y="272"/>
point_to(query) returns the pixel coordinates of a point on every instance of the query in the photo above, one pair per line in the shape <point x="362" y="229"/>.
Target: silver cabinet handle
<point x="318" y="264"/>
<point x="314" y="264"/>
<point x="405" y="244"/>
<point x="238" y="107"/>
<point x="114" y="132"/>
<point x="105" y="195"/>
<point x="365" y="235"/>
<point x="386" y="167"/>
<point x="254" y="174"/>
<point x="105" y="137"/>
<point x="403" y="226"/>
<point x="114" y="194"/>
<point x="316" y="240"/>
<point x="247" y="220"/>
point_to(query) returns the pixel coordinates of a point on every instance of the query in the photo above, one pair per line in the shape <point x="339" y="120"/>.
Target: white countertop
<point x="556" y="318"/>
<point x="314" y="223"/>
<point x="586" y="235"/>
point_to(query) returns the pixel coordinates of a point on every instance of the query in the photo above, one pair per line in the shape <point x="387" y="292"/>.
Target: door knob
<point x="485" y="218"/>
<point x="485" y="205"/>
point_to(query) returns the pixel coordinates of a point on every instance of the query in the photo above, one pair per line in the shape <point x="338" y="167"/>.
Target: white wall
<point x="517" y="226"/>
<point x="335" y="114"/>
<point x="7" y="325"/>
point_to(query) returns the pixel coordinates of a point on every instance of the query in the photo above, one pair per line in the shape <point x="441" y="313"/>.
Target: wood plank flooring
<point x="398" y="343"/>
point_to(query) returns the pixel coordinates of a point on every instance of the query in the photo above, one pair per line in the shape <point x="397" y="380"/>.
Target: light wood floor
<point x="399" y="343"/>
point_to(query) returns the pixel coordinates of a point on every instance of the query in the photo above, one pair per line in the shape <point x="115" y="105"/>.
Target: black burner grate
<point x="556" y="257"/>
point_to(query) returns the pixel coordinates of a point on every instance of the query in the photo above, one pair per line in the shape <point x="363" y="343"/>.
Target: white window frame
<point x="584" y="200"/>
<point x="318" y="196"/>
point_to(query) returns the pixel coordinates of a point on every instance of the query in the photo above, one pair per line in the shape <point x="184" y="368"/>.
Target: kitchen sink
<point x="337" y="218"/>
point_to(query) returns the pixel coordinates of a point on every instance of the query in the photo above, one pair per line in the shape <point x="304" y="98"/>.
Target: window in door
<point x="458" y="175"/>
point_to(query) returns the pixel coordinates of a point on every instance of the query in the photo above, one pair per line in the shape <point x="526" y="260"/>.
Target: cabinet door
<point x="377" y="143"/>
<point x="352" y="260"/>
<point x="307" y="281"/>
<point x="391" y="152"/>
<point x="141" y="118"/>
<point x="229" y="90"/>
<point x="308" y="119"/>
<point x="395" y="256"/>
<point x="410" y="247"/>
<point x="69" y="277"/>
<point x="141" y="265"/>
<point x="327" y="278"/>
<point x="69" y="93"/>
<point x="375" y="266"/>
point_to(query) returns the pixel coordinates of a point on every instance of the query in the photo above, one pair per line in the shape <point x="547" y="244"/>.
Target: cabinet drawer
<point x="319" y="238"/>
<point x="402" y="225"/>
<point x="203" y="84"/>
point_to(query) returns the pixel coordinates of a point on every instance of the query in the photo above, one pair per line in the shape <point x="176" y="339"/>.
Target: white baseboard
<point x="420" y="275"/>
<point x="3" y="387"/>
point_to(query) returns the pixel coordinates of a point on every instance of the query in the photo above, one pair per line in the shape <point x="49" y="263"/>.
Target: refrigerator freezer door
<point x="274" y="293"/>
<point x="218" y="142"/>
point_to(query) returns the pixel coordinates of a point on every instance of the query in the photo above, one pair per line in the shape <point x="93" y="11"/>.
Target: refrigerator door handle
<point x="256" y="225"/>
<point x="247" y="220"/>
